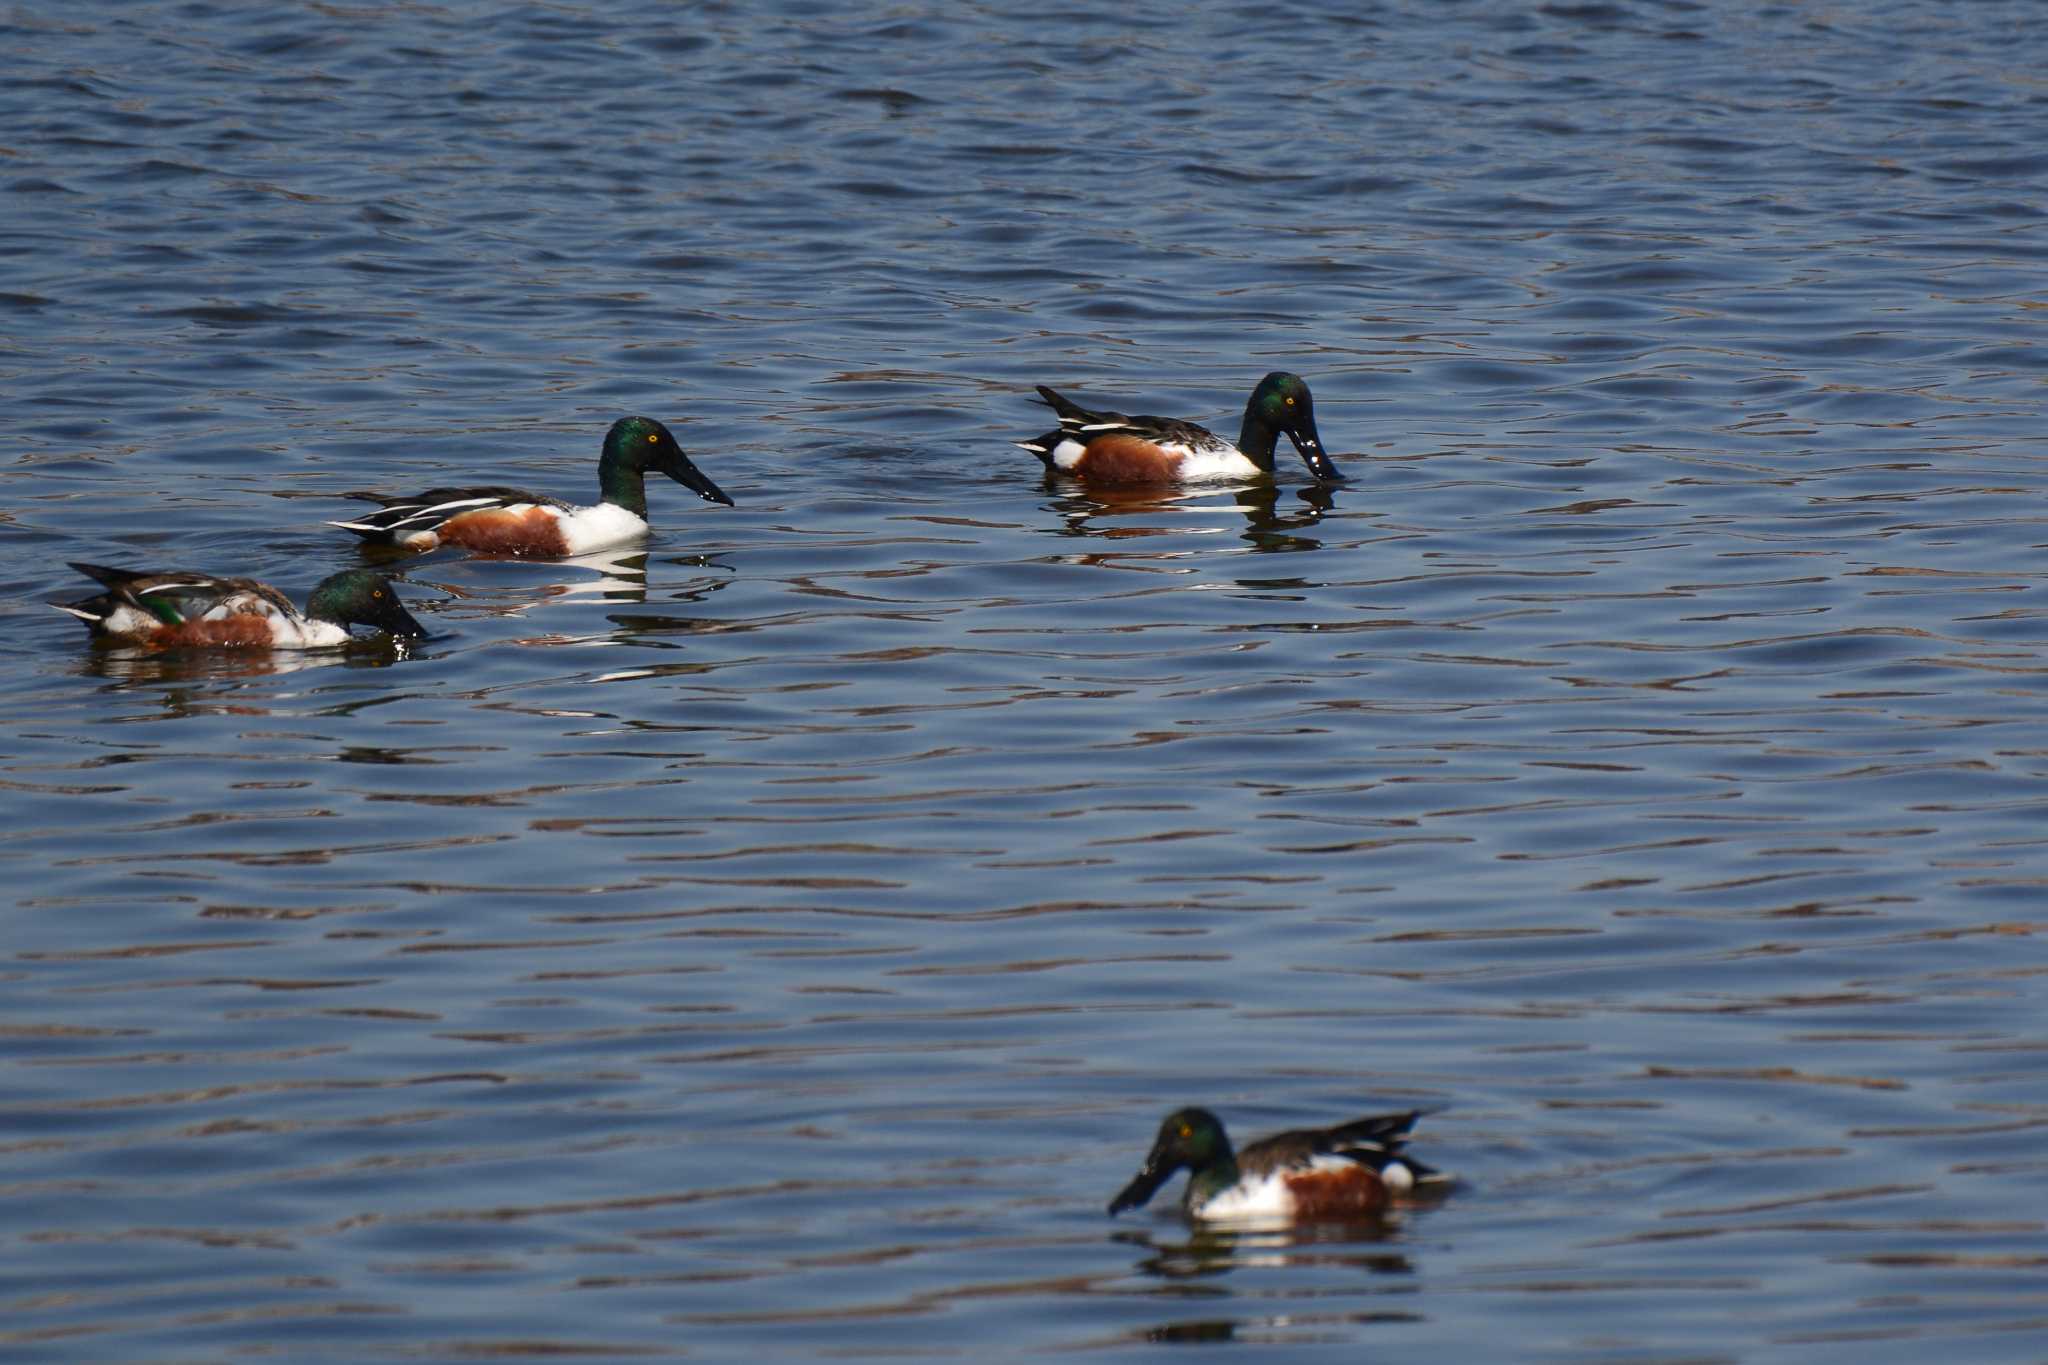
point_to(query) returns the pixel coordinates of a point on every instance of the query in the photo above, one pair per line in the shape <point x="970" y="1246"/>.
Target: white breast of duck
<point x="598" y="527"/>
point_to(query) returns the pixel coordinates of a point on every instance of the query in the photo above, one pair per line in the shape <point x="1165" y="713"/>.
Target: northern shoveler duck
<point x="511" y="521"/>
<point x="1350" y="1171"/>
<point x="168" y="610"/>
<point x="1113" y="448"/>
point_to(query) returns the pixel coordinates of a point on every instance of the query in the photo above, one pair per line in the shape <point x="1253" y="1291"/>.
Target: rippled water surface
<point x="782" y="942"/>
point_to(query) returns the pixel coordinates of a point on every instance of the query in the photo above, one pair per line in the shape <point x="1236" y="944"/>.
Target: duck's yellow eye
<point x="1290" y="402"/>
<point x="1186" y="1131"/>
<point x="656" y="440"/>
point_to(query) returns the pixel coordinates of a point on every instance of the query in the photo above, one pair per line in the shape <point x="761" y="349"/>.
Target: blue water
<point x="782" y="941"/>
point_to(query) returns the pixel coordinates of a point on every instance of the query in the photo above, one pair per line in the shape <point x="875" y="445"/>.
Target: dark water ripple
<point x="783" y="940"/>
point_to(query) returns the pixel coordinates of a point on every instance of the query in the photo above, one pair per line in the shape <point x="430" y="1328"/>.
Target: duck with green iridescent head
<point x="1354" y="1170"/>
<point x="1110" y="447"/>
<point x="171" y="609"/>
<point x="511" y="521"/>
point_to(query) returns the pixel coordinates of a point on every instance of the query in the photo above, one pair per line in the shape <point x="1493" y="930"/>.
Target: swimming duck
<point x="1113" y="448"/>
<point x="512" y="521"/>
<point x="1350" y="1171"/>
<point x="172" y="609"/>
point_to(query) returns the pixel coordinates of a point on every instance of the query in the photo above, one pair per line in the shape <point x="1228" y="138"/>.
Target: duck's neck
<point x="321" y="606"/>
<point x="1256" y="440"/>
<point x="1212" y="1180"/>
<point x="622" y="483"/>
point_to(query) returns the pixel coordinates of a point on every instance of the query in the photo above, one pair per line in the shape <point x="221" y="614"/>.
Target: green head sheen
<point x="1194" y="1138"/>
<point x="362" y="597"/>
<point x="1281" y="405"/>
<point x="633" y="447"/>
<point x="1191" y="1138"/>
